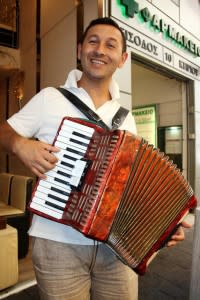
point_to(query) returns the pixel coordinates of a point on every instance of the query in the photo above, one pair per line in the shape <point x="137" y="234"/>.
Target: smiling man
<point x="67" y="264"/>
<point x="101" y="52"/>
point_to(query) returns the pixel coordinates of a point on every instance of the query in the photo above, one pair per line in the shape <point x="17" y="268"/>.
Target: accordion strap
<point x="116" y="121"/>
<point x="119" y="117"/>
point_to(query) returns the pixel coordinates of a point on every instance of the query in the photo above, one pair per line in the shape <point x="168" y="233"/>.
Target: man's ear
<point x="123" y="59"/>
<point x="79" y="50"/>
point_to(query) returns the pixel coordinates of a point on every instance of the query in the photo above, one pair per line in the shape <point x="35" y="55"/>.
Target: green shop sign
<point x="145" y="119"/>
<point x="131" y="7"/>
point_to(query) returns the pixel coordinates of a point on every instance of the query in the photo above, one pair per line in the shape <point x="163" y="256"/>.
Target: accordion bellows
<point x="129" y="195"/>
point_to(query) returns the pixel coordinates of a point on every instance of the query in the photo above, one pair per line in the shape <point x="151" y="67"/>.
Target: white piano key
<point x="68" y="142"/>
<point x="64" y="186"/>
<point x="48" y="204"/>
<point x="62" y="166"/>
<point x="54" y="174"/>
<point x="73" y="130"/>
<point x="62" y="152"/>
<point x="60" y="145"/>
<point x="75" y="135"/>
<point x="53" y="187"/>
<point x="46" y="210"/>
<point x="78" y="126"/>
<point x="74" y="150"/>
<point x="79" y="168"/>
<point x="72" y="135"/>
<point x="61" y="169"/>
<point x="46" y="191"/>
<point x="45" y="197"/>
<point x="71" y="148"/>
<point x="76" y="173"/>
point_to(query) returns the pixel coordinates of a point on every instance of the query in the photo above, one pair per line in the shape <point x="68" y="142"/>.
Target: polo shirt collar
<point x="75" y="75"/>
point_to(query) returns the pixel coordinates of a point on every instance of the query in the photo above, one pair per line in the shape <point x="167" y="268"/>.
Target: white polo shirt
<point x="41" y="117"/>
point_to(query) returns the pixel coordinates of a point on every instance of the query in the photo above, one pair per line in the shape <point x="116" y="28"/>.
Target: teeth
<point x="97" y="62"/>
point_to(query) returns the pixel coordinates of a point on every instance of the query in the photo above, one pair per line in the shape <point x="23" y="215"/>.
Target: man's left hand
<point x="179" y="234"/>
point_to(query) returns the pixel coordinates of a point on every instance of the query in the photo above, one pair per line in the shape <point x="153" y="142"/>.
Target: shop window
<point x="170" y="141"/>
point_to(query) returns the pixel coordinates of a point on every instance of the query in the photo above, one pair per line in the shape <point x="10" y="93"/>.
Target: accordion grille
<point x="155" y="193"/>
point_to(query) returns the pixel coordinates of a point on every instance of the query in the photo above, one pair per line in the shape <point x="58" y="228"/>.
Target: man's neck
<point x="98" y="90"/>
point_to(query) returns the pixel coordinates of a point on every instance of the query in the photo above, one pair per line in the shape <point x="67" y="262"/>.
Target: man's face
<point x="101" y="52"/>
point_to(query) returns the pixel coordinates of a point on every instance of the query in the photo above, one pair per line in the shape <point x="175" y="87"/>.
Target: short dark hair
<point x="105" y="21"/>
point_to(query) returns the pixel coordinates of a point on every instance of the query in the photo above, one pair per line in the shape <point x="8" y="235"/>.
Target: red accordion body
<point x="120" y="190"/>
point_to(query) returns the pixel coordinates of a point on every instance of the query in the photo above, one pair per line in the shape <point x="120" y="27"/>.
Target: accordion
<point x="113" y="187"/>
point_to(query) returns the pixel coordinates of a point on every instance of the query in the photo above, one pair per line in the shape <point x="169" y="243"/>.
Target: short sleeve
<point x="28" y="120"/>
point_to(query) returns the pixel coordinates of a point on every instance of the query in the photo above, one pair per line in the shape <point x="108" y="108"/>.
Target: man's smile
<point x="97" y="61"/>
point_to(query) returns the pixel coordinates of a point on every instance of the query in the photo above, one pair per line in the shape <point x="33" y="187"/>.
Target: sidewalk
<point x="168" y="276"/>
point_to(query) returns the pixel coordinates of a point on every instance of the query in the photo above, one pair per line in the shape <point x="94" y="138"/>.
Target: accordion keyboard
<point x="52" y="193"/>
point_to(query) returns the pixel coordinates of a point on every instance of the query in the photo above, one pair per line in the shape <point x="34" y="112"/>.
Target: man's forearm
<point x="37" y="156"/>
<point x="8" y="138"/>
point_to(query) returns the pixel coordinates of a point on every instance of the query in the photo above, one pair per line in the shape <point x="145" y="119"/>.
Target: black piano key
<point x="56" y="198"/>
<point x="78" y="142"/>
<point x="69" y="157"/>
<point x="54" y="205"/>
<point x="61" y="181"/>
<point x="81" y="135"/>
<point x="66" y="164"/>
<point x="60" y="191"/>
<point x="64" y="174"/>
<point x="74" y="151"/>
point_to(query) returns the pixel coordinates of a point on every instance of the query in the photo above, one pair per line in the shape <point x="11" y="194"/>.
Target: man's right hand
<point x="37" y="156"/>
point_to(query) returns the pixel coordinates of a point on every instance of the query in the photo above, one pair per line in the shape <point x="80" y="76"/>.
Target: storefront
<point x="161" y="80"/>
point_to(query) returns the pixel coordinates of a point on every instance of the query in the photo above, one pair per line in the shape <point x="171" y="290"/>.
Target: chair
<point x="5" y="184"/>
<point x="8" y="257"/>
<point x="15" y="193"/>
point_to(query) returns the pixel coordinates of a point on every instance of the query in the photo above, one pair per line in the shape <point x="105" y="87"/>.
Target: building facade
<point x="162" y="75"/>
<point x="160" y="82"/>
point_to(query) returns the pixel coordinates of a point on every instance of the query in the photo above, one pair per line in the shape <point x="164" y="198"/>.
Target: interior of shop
<point x="167" y="93"/>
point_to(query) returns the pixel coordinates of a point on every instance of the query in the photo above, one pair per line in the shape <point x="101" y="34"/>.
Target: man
<point x="67" y="264"/>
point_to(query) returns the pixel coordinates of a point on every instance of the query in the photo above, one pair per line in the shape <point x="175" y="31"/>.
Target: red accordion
<point x="113" y="187"/>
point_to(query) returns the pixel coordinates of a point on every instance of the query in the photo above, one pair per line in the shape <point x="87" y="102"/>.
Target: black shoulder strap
<point x="117" y="119"/>
<point x="82" y="107"/>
